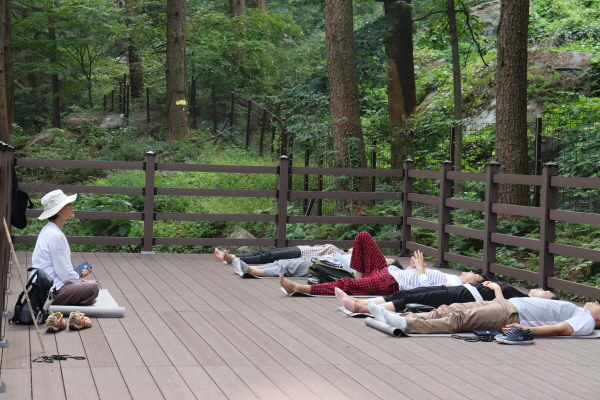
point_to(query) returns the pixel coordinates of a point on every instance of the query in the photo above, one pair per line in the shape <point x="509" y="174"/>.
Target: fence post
<point x="406" y="207"/>
<point x="214" y="106"/>
<point x="282" y="201"/>
<point x="320" y="189"/>
<point x="149" y="190"/>
<point x="373" y="165"/>
<point x="547" y="225"/>
<point x="104" y="102"/>
<point x="248" y="123"/>
<point x="444" y="216"/>
<point x="283" y="144"/>
<point x="273" y="129"/>
<point x="232" y="104"/>
<point x="306" y="164"/>
<point x="124" y="111"/>
<point x="127" y="89"/>
<point x="262" y="131"/>
<point x="120" y="97"/>
<point x="5" y="206"/>
<point x="490" y="219"/>
<point x="147" y="104"/>
<point x="537" y="164"/>
<point x="452" y="142"/>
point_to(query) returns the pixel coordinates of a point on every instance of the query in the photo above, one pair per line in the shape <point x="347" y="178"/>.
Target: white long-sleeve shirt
<point x="410" y="278"/>
<point x="53" y="255"/>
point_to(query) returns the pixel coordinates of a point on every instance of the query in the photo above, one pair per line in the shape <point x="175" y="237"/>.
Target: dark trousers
<point x="434" y="296"/>
<point x="269" y="256"/>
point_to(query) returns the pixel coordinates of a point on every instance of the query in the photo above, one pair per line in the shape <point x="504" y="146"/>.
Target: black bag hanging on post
<point x="20" y="203"/>
<point x="38" y="294"/>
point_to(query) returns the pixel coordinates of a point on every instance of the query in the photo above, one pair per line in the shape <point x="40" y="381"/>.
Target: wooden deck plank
<point x="455" y="382"/>
<point x="97" y="349"/>
<point x="168" y="341"/>
<point x="567" y="381"/>
<point x="110" y="383"/>
<point x="79" y="384"/>
<point x="230" y="383"/>
<point x="291" y="385"/>
<point x="18" y="353"/>
<point x="192" y="329"/>
<point x="263" y="387"/>
<point x="141" y="384"/>
<point x="348" y="385"/>
<point x="215" y="340"/>
<point x="17" y="383"/>
<point x="193" y="341"/>
<point x="319" y="385"/>
<point x="227" y="324"/>
<point x="148" y="348"/>
<point x="385" y="383"/>
<point x="121" y="345"/>
<point x="200" y="383"/>
<point x="171" y="383"/>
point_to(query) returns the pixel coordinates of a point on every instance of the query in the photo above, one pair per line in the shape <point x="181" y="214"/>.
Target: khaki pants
<point x="463" y="317"/>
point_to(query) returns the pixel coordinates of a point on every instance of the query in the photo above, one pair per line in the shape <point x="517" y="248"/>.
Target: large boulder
<point x="238" y="233"/>
<point x="102" y="119"/>
<point x="489" y="15"/>
<point x="47" y="136"/>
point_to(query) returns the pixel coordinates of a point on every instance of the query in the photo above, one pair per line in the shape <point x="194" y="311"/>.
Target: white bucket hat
<point x="54" y="201"/>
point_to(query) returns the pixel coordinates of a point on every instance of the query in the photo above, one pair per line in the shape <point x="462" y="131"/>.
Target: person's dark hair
<point x="556" y="297"/>
<point x="52" y="218"/>
<point x="397" y="264"/>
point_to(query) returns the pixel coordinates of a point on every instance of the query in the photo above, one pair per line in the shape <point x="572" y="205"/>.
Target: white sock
<point x="340" y="294"/>
<point x="239" y="267"/>
<point x="394" y="320"/>
<point x="376" y="311"/>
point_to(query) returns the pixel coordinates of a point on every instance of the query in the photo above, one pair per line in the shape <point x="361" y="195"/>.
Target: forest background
<point x="68" y="54"/>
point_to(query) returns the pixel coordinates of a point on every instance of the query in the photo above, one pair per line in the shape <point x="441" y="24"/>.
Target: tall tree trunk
<point x="54" y="79"/>
<point x="457" y="80"/>
<point x="401" y="86"/>
<point x="4" y="130"/>
<point x="134" y="62"/>
<point x="8" y="69"/>
<point x="511" y="92"/>
<point x="261" y="5"/>
<point x="237" y="7"/>
<point x="343" y="87"/>
<point x="177" y="121"/>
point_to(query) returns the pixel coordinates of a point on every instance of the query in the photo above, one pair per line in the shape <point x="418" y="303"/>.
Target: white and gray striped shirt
<point x="410" y="278"/>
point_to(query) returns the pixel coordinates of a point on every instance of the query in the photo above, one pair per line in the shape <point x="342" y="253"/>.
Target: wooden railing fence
<point x="547" y="213"/>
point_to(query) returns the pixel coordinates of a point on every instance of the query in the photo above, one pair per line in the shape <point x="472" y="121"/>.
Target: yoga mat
<point x="105" y="307"/>
<point x="354" y="314"/>
<point x="300" y="294"/>
<point x="383" y="327"/>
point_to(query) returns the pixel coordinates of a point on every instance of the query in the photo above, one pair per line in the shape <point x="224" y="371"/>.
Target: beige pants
<point x="463" y="317"/>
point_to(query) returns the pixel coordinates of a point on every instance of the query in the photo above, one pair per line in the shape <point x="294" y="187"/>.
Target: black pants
<point x="269" y="256"/>
<point x="436" y="296"/>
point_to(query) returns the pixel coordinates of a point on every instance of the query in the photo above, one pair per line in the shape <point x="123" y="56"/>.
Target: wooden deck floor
<point x="192" y="329"/>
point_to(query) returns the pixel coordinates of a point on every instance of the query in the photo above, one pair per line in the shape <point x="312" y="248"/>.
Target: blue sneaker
<point x="516" y="335"/>
<point x="508" y="332"/>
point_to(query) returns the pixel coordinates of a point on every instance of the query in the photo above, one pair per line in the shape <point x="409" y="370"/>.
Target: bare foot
<point x="290" y="286"/>
<point x="340" y="294"/>
<point x="349" y="304"/>
<point x="219" y="254"/>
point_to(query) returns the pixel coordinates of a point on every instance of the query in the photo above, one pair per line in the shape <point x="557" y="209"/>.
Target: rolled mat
<point x="105" y="307"/>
